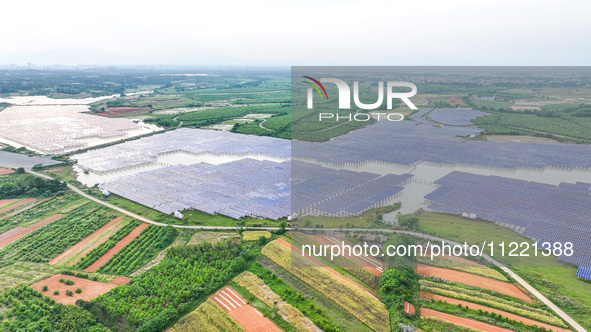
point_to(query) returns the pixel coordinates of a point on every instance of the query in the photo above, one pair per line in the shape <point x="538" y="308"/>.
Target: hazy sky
<point x="303" y="32"/>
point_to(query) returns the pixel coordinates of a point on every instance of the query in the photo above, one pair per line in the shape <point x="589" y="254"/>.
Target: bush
<point x="44" y="288"/>
<point x="69" y="293"/>
<point x="69" y="282"/>
<point x="56" y="292"/>
<point x="62" y="280"/>
<point x="78" y="290"/>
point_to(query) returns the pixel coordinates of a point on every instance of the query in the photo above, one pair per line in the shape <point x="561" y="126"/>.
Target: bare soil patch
<point x="24" y="231"/>
<point x="455" y="101"/>
<point x="246" y="315"/>
<point x="4" y="202"/>
<point x="125" y="241"/>
<point x="4" y="171"/>
<point x="90" y="289"/>
<point x="474" y="280"/>
<point x="462" y="321"/>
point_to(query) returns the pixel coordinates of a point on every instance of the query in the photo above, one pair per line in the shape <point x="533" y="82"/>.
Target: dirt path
<point x="105" y="258"/>
<point x="246" y="315"/>
<point x="462" y="321"/>
<point x="85" y="240"/>
<point x="474" y="280"/>
<point x="25" y="231"/>
<point x="509" y="315"/>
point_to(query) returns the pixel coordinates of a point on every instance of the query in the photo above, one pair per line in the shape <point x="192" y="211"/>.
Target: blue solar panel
<point x="545" y="212"/>
<point x="584" y="272"/>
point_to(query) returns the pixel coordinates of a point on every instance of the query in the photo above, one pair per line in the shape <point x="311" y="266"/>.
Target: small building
<point x="105" y="192"/>
<point x="472" y="216"/>
<point x="178" y="215"/>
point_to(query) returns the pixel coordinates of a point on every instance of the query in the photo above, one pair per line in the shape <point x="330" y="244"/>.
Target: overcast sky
<point x="302" y="32"/>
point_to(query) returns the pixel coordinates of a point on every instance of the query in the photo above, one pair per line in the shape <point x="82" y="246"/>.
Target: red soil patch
<point x="90" y="289"/>
<point x="318" y="263"/>
<point x="88" y="238"/>
<point x="21" y="203"/>
<point x="10" y="233"/>
<point x="124" y="241"/>
<point x="475" y="306"/>
<point x="246" y="315"/>
<point x="369" y="263"/>
<point x="120" y="280"/>
<point x="54" y="170"/>
<point x="4" y="171"/>
<point x="4" y="202"/>
<point x="462" y="321"/>
<point x="124" y="111"/>
<point x="409" y="308"/>
<point x="455" y="101"/>
<point x="474" y="280"/>
<point x="24" y="231"/>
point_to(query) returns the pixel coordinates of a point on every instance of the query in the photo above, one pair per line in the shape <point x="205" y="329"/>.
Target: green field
<point x="563" y="122"/>
<point x="368" y="219"/>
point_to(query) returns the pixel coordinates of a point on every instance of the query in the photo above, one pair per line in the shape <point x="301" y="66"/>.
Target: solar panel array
<point x="62" y="129"/>
<point x="196" y="141"/>
<point x="323" y="191"/>
<point x="456" y="116"/>
<point x="541" y="211"/>
<point x="246" y="187"/>
<point x="408" y="142"/>
<point x="403" y="142"/>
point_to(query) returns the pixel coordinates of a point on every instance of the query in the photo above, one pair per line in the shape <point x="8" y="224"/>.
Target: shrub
<point x="56" y="292"/>
<point x="62" y="280"/>
<point x="69" y="293"/>
<point x="44" y="288"/>
<point x="69" y="282"/>
<point x="78" y="290"/>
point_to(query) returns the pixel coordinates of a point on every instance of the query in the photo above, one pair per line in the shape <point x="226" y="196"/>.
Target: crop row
<point x="37" y="211"/>
<point x="256" y="286"/>
<point x="99" y="251"/>
<point x="354" y="300"/>
<point x="207" y="317"/>
<point x="54" y="238"/>
<point x="491" y="301"/>
<point x="294" y="297"/>
<point x="140" y="250"/>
